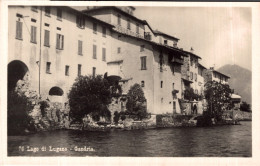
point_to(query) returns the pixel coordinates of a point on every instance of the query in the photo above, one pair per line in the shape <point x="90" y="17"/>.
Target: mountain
<point x="240" y="80"/>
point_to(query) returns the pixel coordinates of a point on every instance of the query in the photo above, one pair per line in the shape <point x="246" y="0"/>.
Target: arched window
<point x="56" y="91"/>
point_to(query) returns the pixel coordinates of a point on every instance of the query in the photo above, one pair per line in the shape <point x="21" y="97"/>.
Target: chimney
<point x="191" y="50"/>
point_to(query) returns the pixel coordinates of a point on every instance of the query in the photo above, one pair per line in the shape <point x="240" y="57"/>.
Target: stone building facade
<point x="51" y="46"/>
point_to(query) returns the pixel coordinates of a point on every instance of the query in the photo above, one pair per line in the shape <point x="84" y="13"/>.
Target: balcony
<point x="177" y="60"/>
<point x="123" y="30"/>
<point x="147" y="36"/>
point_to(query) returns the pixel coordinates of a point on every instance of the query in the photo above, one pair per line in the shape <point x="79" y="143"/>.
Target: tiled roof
<point x="164" y="34"/>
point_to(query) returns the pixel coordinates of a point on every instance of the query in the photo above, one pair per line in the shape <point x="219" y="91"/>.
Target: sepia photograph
<point x="129" y="80"/>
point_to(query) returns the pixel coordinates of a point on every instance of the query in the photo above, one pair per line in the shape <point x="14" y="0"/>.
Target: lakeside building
<point x="51" y="46"/>
<point x="213" y="75"/>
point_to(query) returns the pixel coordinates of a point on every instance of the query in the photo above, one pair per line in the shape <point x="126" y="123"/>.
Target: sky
<point x="219" y="35"/>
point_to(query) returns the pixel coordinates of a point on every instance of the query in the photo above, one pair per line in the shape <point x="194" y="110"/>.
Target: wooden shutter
<point x="47" y="38"/>
<point x="104" y="54"/>
<point x="57" y="41"/>
<point x="94" y="52"/>
<point x="62" y="41"/>
<point x="79" y="47"/>
<point x="19" y="30"/>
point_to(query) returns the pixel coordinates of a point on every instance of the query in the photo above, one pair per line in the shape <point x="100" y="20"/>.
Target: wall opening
<point x="56" y="91"/>
<point x="17" y="70"/>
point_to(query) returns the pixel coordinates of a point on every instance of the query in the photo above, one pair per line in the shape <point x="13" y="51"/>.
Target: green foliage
<point x="190" y="95"/>
<point x="90" y="95"/>
<point x="136" y="103"/>
<point x="18" y="110"/>
<point x="218" y="98"/>
<point x="245" y="107"/>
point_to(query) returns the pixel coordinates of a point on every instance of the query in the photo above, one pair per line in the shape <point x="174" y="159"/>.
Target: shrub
<point x="136" y="103"/>
<point x="245" y="107"/>
<point x="90" y="95"/>
<point x="116" y="117"/>
<point x="18" y="110"/>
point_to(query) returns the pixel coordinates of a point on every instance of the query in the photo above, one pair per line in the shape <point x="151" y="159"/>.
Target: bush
<point x="116" y="117"/>
<point x="90" y="95"/>
<point x="245" y="107"/>
<point x="190" y="95"/>
<point x="18" y="110"/>
<point x="136" y="103"/>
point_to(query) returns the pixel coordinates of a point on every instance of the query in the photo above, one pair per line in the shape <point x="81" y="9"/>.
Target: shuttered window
<point x="104" y="31"/>
<point x="59" y="14"/>
<point x="33" y="34"/>
<point x="143" y="63"/>
<point x="47" y="11"/>
<point x="103" y="54"/>
<point x="128" y="24"/>
<point x="47" y="38"/>
<point x="59" y="41"/>
<point x="67" y="70"/>
<point x="79" y="70"/>
<point x="95" y="28"/>
<point x="94" y="71"/>
<point x="191" y="75"/>
<point x="137" y="28"/>
<point x="94" y="52"/>
<point x="19" y="30"/>
<point x="195" y="76"/>
<point x="48" y="67"/>
<point x="80" y="20"/>
<point x="80" y="47"/>
<point x="118" y="19"/>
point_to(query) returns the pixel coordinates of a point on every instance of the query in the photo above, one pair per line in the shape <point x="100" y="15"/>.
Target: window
<point x="94" y="71"/>
<point x="59" y="14"/>
<point x="34" y="8"/>
<point x="79" y="69"/>
<point x="80" y="21"/>
<point x="142" y="83"/>
<point x="161" y="84"/>
<point x="191" y="61"/>
<point x="33" y="34"/>
<point x="142" y="48"/>
<point x="175" y="44"/>
<point x="196" y="63"/>
<point x="104" y="31"/>
<point x="118" y="50"/>
<point x="103" y="54"/>
<point x="94" y="52"/>
<point x="172" y="86"/>
<point x="80" y="47"/>
<point x="67" y="70"/>
<point x="60" y="42"/>
<point x="128" y="24"/>
<point x="47" y="38"/>
<point x="19" y="30"/>
<point x="195" y="76"/>
<point x="95" y="28"/>
<point x="143" y="63"/>
<point x="165" y="42"/>
<point x="137" y="28"/>
<point x="48" y="67"/>
<point x="118" y="19"/>
<point x="191" y="75"/>
<point x="47" y="11"/>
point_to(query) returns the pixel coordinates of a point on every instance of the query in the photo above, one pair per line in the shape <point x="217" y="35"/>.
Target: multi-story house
<point x="201" y="81"/>
<point x="51" y="46"/>
<point x="138" y="58"/>
<point x="190" y="72"/>
<point x="214" y="75"/>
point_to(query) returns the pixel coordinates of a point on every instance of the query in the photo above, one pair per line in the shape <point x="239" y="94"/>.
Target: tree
<point x="245" y="107"/>
<point x="90" y="95"/>
<point x="136" y="102"/>
<point x="190" y="95"/>
<point x="18" y="110"/>
<point x="218" y="98"/>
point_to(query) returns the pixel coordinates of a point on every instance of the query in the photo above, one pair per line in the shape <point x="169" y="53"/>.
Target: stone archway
<point x="56" y="91"/>
<point x="17" y="70"/>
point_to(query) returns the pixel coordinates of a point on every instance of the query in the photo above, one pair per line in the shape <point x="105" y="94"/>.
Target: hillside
<point x="240" y="81"/>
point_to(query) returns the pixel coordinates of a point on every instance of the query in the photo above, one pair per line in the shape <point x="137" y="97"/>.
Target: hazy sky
<point x="219" y="35"/>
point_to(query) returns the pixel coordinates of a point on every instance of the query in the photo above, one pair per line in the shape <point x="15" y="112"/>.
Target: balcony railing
<point x="127" y="31"/>
<point x="147" y="36"/>
<point x="177" y="60"/>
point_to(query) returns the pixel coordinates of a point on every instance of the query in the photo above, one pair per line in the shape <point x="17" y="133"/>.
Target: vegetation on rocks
<point x="190" y="95"/>
<point x="18" y="118"/>
<point x="91" y="96"/>
<point x="136" y="103"/>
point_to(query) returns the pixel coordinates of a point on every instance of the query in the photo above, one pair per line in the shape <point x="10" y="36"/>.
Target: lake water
<point x="226" y="141"/>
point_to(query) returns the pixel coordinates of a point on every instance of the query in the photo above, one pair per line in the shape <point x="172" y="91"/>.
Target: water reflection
<point x="175" y="142"/>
